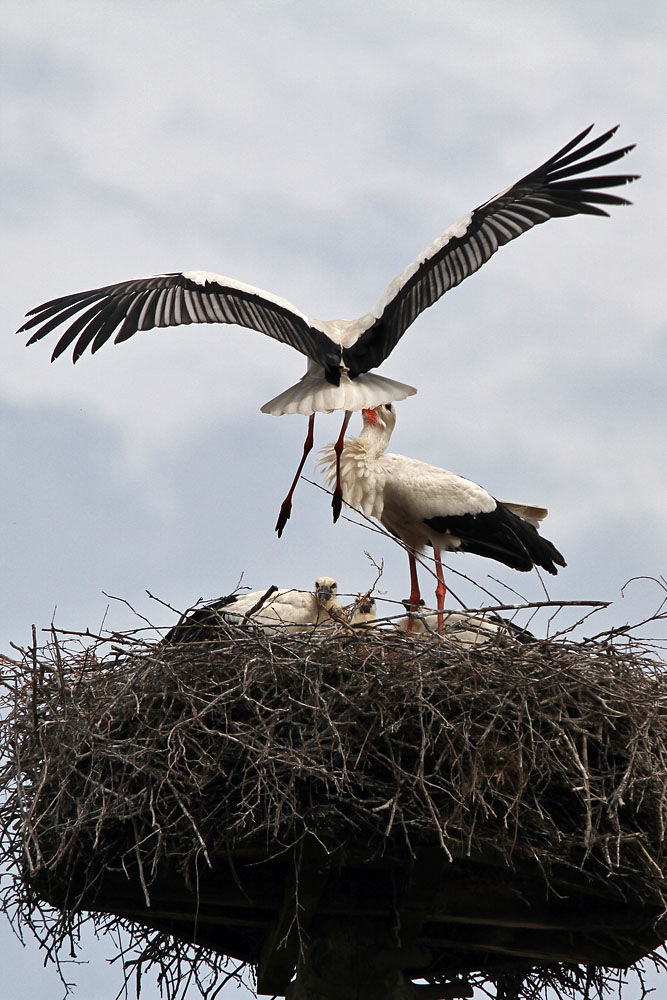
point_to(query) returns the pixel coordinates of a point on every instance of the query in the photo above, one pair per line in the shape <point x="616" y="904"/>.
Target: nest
<point x="501" y="809"/>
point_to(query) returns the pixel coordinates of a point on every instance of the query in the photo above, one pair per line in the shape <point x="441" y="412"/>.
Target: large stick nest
<point x="154" y="764"/>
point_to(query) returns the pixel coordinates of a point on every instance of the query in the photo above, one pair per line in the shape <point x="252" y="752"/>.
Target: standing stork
<point x="340" y="353"/>
<point x="424" y="505"/>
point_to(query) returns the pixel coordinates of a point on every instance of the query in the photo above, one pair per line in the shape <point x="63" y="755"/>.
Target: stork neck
<point x="374" y="439"/>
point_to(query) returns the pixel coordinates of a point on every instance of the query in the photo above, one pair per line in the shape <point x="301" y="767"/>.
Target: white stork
<point x="463" y="627"/>
<point x="272" y="610"/>
<point x="424" y="505"/>
<point x="363" y="612"/>
<point x="289" y="608"/>
<point x="340" y="353"/>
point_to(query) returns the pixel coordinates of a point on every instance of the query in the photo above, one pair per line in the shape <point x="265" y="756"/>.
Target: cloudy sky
<point x="314" y="150"/>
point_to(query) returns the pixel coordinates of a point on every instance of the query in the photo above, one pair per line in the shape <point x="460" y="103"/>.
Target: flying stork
<point x="424" y="505"/>
<point x="340" y="353"/>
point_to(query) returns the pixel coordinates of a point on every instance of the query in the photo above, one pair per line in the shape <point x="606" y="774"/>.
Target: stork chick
<point x="272" y="610"/>
<point x="364" y="611"/>
<point x="462" y="627"/>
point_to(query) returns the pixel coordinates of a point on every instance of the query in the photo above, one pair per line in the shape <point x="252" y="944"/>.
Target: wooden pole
<point x="348" y="958"/>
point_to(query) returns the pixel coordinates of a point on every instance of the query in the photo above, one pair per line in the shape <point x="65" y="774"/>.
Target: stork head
<point x="414" y="623"/>
<point x="363" y="610"/>
<point x="326" y="591"/>
<point x="380" y="422"/>
<point x="408" y="607"/>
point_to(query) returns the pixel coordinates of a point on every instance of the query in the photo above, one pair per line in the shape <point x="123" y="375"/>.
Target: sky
<point x="314" y="150"/>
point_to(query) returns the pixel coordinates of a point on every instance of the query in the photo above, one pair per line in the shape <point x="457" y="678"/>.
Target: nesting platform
<point x="452" y="918"/>
<point x="461" y="814"/>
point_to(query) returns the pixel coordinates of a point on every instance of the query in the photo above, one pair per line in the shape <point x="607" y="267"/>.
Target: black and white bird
<point x="424" y="505"/>
<point x="272" y="610"/>
<point x="340" y="353"/>
<point x="464" y="627"/>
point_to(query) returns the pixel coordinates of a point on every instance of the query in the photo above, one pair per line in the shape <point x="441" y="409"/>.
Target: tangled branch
<point x="149" y="763"/>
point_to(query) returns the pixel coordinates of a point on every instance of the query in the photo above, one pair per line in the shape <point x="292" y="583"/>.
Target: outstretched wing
<point x="555" y="189"/>
<point x="174" y="300"/>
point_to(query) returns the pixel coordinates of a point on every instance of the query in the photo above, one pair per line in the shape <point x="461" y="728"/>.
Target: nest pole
<point x="357" y="959"/>
<point x="345" y="938"/>
<point x="348" y="816"/>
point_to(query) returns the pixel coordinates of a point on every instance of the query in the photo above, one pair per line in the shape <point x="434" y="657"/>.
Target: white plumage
<point x="424" y="505"/>
<point x="272" y="610"/>
<point x="364" y="611"/>
<point x="287" y="608"/>
<point x="340" y="353"/>
<point x="462" y="627"/>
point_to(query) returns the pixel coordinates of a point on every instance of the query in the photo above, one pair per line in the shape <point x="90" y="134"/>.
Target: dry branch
<point x="504" y="805"/>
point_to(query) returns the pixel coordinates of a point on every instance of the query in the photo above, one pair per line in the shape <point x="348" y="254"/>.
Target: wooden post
<point x="357" y="958"/>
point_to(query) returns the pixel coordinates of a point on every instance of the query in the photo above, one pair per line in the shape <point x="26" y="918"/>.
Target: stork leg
<point x="440" y="590"/>
<point x="286" y="507"/>
<point x="337" y="501"/>
<point x="415" y="596"/>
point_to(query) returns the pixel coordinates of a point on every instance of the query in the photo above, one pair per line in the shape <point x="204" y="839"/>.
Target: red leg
<point x="286" y="508"/>
<point x="415" y="596"/>
<point x="440" y="590"/>
<point x="337" y="501"/>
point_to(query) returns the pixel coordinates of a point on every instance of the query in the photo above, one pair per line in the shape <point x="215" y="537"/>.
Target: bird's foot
<point x="283" y="516"/>
<point x="337" y="503"/>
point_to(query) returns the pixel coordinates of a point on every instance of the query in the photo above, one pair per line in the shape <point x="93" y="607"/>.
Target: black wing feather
<point x="501" y="535"/>
<point x="550" y="191"/>
<point x="172" y="300"/>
